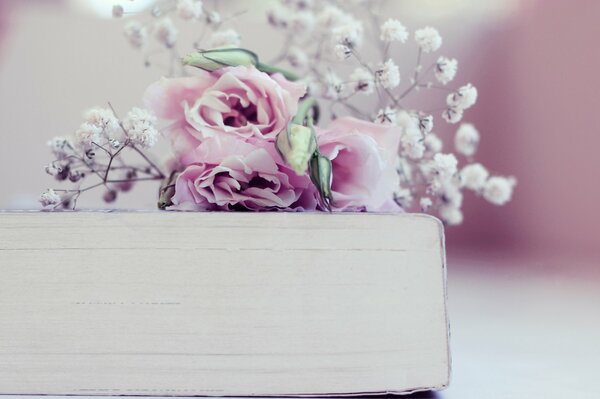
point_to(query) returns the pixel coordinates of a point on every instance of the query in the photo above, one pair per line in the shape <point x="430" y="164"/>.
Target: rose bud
<point x="296" y="145"/>
<point x="211" y="60"/>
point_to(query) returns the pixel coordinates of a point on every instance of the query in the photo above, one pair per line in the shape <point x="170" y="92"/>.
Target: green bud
<point x="320" y="175"/>
<point x="211" y="60"/>
<point x="296" y="146"/>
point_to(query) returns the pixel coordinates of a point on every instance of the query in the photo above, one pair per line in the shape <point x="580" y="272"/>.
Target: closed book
<point x="221" y="304"/>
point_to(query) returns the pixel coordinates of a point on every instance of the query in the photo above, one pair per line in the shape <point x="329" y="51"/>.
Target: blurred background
<point x="523" y="278"/>
<point x="535" y="64"/>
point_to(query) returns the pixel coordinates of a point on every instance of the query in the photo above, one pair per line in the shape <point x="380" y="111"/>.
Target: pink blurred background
<point x="535" y="63"/>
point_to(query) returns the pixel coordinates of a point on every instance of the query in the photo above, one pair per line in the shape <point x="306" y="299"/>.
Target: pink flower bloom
<point x="364" y="158"/>
<point x="226" y="173"/>
<point x="240" y="101"/>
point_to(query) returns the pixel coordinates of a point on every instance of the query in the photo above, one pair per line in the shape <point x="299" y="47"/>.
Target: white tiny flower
<point x="445" y="165"/>
<point x="213" y="18"/>
<point x="106" y="120"/>
<point x="465" y="97"/>
<point x="227" y="37"/>
<point x="466" y="139"/>
<point x="342" y="52"/>
<point x="403" y="197"/>
<point x="117" y="11"/>
<point x="87" y="134"/>
<point x="279" y="16"/>
<point x="102" y="117"/>
<point x="362" y="80"/>
<point x="498" y="190"/>
<point x="135" y="33"/>
<point x="140" y="128"/>
<point x="297" y="57"/>
<point x="412" y="143"/>
<point x="331" y="16"/>
<point x="115" y="143"/>
<point x="445" y="69"/>
<point x="425" y="203"/>
<point x="449" y="191"/>
<point x="435" y="182"/>
<point x="49" y="197"/>
<point x="452" y="115"/>
<point x="350" y="33"/>
<point x="303" y="4"/>
<point x="433" y="144"/>
<point x="388" y="74"/>
<point x="60" y="147"/>
<point x="392" y="30"/>
<point x="425" y="122"/>
<point x="189" y="9"/>
<point x="473" y="176"/>
<point x="53" y="168"/>
<point x="314" y="87"/>
<point x="334" y="85"/>
<point x="428" y="39"/>
<point x="451" y="215"/>
<point x="413" y="149"/>
<point x="166" y="32"/>
<point x="156" y="11"/>
<point x="407" y="120"/>
<point x="386" y="116"/>
<point x="404" y="169"/>
<point x="302" y="23"/>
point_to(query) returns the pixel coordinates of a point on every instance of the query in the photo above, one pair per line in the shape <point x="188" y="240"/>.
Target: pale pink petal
<point x="364" y="158"/>
<point x="166" y="97"/>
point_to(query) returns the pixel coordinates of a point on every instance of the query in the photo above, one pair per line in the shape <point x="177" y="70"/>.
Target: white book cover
<point x="221" y="304"/>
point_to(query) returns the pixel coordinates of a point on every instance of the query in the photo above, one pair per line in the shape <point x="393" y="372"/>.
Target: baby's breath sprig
<point x="430" y="180"/>
<point x="96" y="151"/>
<point x="157" y="33"/>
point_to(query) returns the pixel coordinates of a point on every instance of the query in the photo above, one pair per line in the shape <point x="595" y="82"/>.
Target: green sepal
<point x="211" y="60"/>
<point x="320" y="175"/>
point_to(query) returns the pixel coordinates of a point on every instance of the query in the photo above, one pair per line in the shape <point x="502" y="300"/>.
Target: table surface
<point x="524" y="327"/>
<point x="521" y="327"/>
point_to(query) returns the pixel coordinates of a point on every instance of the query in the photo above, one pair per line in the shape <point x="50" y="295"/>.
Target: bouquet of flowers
<point x="284" y="135"/>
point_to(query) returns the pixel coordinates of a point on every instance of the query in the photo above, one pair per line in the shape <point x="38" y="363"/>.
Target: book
<point x="221" y="304"/>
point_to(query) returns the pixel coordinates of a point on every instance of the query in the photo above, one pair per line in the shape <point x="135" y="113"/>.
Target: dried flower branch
<point x="95" y="151"/>
<point x="425" y="172"/>
<point x="165" y="21"/>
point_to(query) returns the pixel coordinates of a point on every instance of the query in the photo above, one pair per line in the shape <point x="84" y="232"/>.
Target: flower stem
<point x="305" y="107"/>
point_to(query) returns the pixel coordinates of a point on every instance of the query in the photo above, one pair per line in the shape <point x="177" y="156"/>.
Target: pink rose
<point x="364" y="159"/>
<point x="226" y="173"/>
<point x="241" y="101"/>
